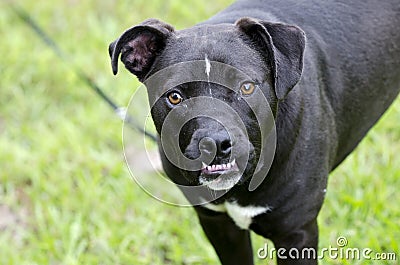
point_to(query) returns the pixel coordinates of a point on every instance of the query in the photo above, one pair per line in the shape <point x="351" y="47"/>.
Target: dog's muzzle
<point x="226" y="168"/>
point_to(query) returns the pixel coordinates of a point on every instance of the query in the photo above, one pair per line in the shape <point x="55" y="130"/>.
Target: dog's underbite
<point x="257" y="105"/>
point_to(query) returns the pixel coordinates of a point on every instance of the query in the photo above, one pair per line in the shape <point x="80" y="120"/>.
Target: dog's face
<point x="214" y="124"/>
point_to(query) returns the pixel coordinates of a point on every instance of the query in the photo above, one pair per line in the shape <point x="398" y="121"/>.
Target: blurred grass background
<point x="66" y="196"/>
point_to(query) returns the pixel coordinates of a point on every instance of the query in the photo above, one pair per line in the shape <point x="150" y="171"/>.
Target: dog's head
<point x="218" y="79"/>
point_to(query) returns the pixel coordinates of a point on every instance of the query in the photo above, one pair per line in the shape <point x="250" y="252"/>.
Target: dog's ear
<point x="284" y="45"/>
<point x="139" y="46"/>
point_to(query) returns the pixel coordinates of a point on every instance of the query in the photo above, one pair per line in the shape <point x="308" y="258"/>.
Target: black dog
<point x="328" y="69"/>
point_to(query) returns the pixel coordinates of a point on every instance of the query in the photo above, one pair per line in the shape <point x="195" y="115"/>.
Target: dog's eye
<point x="175" y="98"/>
<point x="247" y="88"/>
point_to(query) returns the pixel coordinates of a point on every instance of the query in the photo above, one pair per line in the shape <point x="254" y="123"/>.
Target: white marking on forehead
<point x="241" y="215"/>
<point x="208" y="66"/>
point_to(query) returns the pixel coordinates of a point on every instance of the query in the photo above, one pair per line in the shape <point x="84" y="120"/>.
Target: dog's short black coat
<point x="329" y="70"/>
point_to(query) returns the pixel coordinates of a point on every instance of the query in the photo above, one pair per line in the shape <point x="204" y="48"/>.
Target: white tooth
<point x="233" y="162"/>
<point x="217" y="167"/>
<point x="213" y="167"/>
<point x="228" y="165"/>
<point x="203" y="165"/>
<point x="209" y="168"/>
<point x="224" y="166"/>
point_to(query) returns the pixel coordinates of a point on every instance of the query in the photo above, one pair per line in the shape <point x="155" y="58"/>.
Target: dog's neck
<point x="289" y="117"/>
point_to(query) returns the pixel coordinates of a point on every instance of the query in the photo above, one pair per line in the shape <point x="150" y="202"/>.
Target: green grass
<point x="66" y="196"/>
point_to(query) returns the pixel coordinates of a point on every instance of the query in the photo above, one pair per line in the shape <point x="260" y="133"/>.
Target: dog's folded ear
<point x="283" y="45"/>
<point x="139" y="46"/>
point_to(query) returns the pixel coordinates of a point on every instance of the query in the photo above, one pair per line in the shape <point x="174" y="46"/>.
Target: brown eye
<point x="175" y="98"/>
<point x="247" y="88"/>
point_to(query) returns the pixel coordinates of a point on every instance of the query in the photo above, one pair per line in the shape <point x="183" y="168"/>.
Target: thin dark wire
<point x="79" y="72"/>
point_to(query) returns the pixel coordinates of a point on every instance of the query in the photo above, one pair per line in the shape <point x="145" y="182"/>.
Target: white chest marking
<point x="241" y="215"/>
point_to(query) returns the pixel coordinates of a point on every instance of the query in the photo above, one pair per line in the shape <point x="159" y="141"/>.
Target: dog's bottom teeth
<point x="220" y="167"/>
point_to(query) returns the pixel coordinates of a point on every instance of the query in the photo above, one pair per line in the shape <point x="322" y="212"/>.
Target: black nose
<point x="222" y="142"/>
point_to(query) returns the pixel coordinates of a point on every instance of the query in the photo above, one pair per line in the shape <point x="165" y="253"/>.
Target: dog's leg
<point x="300" y="245"/>
<point x="232" y="244"/>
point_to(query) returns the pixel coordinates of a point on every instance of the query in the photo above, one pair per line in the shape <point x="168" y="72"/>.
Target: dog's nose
<point x="222" y="142"/>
